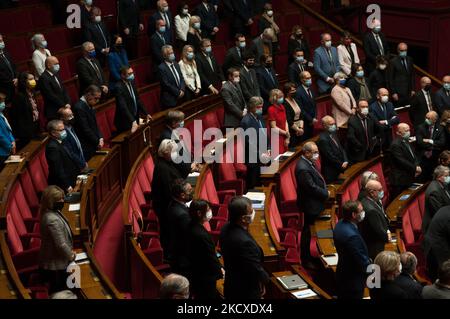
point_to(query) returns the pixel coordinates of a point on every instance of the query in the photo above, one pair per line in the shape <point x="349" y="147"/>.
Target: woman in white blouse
<point x="182" y="24"/>
<point x="347" y="54"/>
<point x="40" y="53"/>
<point x="190" y="74"/>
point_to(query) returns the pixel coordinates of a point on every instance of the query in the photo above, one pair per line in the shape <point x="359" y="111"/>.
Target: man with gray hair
<point x="174" y="286"/>
<point x="172" y="81"/>
<point x="262" y="45"/>
<point x="365" y="178"/>
<point x="436" y="195"/>
<point x="157" y="41"/>
<point x="89" y="70"/>
<point x="406" y="279"/>
<point x="326" y="63"/>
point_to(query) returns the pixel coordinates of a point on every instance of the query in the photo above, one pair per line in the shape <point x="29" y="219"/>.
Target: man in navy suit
<point x="297" y="67"/>
<point x="326" y="63"/>
<point x="401" y="76"/>
<point x="210" y="20"/>
<point x="442" y="96"/>
<point x="311" y="196"/>
<point x="172" y="82"/>
<point x="352" y="251"/>
<point x="267" y="78"/>
<point x="8" y="72"/>
<point x="383" y="111"/>
<point x="375" y="45"/>
<point x="306" y="99"/>
<point x="242" y="19"/>
<point x="163" y="13"/>
<point x="157" y="40"/>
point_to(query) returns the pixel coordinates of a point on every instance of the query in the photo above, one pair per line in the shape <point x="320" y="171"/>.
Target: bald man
<point x="442" y="97"/>
<point x="375" y="226"/>
<point x="401" y="76"/>
<point x="52" y="89"/>
<point x="384" y="113"/>
<point x="405" y="164"/>
<point x="375" y="45"/>
<point x="422" y="103"/>
<point x="430" y="142"/>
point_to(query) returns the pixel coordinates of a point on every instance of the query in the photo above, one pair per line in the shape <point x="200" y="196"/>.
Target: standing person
<point x="209" y="18"/>
<point x="297" y="67"/>
<point x="347" y="53"/>
<point x="422" y="102"/>
<point x="441" y="287"/>
<point x="383" y="111"/>
<point x="294" y="115"/>
<point x="162" y="13"/>
<point x="234" y="55"/>
<point x="159" y="39"/>
<point x="7" y="142"/>
<point x="86" y="10"/>
<point x="277" y="122"/>
<point x="390" y="268"/>
<point x="401" y="71"/>
<point x="211" y="75"/>
<point x="95" y="31"/>
<point x="8" y="72"/>
<point x="89" y="70"/>
<point x="130" y="24"/>
<point x="326" y="63"/>
<point x="375" y="45"/>
<point x="195" y="36"/>
<point x="245" y="276"/>
<point x="344" y="104"/>
<point x="242" y="18"/>
<point x="40" y="53"/>
<point x="235" y="104"/>
<point x="378" y="78"/>
<point x="267" y="78"/>
<point x="249" y="80"/>
<point x="267" y="21"/>
<point x="442" y="97"/>
<point x="117" y="59"/>
<point x="306" y="99"/>
<point x="351" y="271"/>
<point x="56" y="251"/>
<point x="297" y="41"/>
<point x="201" y="251"/>
<point x="311" y="196"/>
<point x="182" y="24"/>
<point x="406" y="279"/>
<point x="172" y="83"/>
<point x="357" y="83"/>
<point x="188" y="68"/>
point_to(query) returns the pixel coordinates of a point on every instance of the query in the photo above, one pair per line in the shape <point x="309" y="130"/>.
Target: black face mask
<point x="58" y="206"/>
<point x="427" y="87"/>
<point x="269" y="65"/>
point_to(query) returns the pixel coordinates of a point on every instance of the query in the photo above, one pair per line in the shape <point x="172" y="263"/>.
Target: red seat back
<point x="15" y="244"/>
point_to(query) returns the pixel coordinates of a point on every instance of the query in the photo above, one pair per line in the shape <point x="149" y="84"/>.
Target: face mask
<point x="44" y="44"/>
<point x="242" y="45"/>
<point x="447" y="180"/>
<point x="197" y="25"/>
<point x="181" y="124"/>
<point x="63" y="135"/>
<point x="58" y="206"/>
<point x="269" y="65"/>
<point x="172" y="57"/>
<point x="280" y="100"/>
<point x="88" y="2"/>
<point x="208" y="215"/>
<point x="162" y="29"/>
<point x="259" y="111"/>
<point x="251" y="218"/>
<point x="428" y="122"/>
<point x="190" y="55"/>
<point x="342" y="82"/>
<point x="130" y="77"/>
<point x="174" y="155"/>
<point x="32" y="84"/>
<point x="236" y="80"/>
<point x="361" y="216"/>
<point x="92" y="54"/>
<point x="382" y="66"/>
<point x="55" y="68"/>
<point x="185" y="11"/>
<point x="403" y="54"/>
<point x="380" y="195"/>
<point x="406" y="135"/>
<point x="119" y="46"/>
<point x="308" y="83"/>
<point x="328" y="44"/>
<point x="365" y="111"/>
<point x="377" y="29"/>
<point x="270" y="13"/>
<point x="332" y="128"/>
<point x="299" y="35"/>
<point x="2" y="106"/>
<point x="315" y="157"/>
<point x="165" y="9"/>
<point x="385" y="99"/>
<point x="208" y="49"/>
<point x="360" y="74"/>
<point x="98" y="19"/>
<point x="447" y="86"/>
<point x="427" y="87"/>
<point x="300" y="59"/>
<point x="2" y="45"/>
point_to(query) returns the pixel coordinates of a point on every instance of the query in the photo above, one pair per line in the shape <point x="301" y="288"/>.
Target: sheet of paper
<point x="330" y="260"/>
<point x="74" y="207"/>
<point x="256" y="196"/>
<point x="194" y="174"/>
<point x="305" y="293"/>
<point x="81" y="256"/>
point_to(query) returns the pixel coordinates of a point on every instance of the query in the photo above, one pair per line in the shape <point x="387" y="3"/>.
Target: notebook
<point x="292" y="282"/>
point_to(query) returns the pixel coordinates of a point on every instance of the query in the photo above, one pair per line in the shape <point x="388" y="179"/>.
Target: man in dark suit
<point x="351" y="271"/>
<point x="62" y="169"/>
<point x="306" y="98"/>
<point x="159" y="39"/>
<point x="311" y="196"/>
<point x="210" y="72"/>
<point x="173" y="120"/>
<point x="8" y="72"/>
<point x="436" y="195"/>
<point x="89" y="70"/>
<point x="267" y="78"/>
<point x="401" y="76"/>
<point x="405" y="164"/>
<point x="235" y="105"/>
<point x="262" y="45"/>
<point x="384" y="113"/>
<point x="362" y="134"/>
<point x="375" y="226"/>
<point x="332" y="154"/>
<point x="162" y="13"/>
<point x="437" y="245"/>
<point x="256" y="150"/>
<point x="326" y="63"/>
<point x="85" y="124"/>
<point x="178" y="220"/>
<point x="234" y="55"/>
<point x="422" y="102"/>
<point x="209" y="17"/>
<point x="375" y="45"/>
<point x="172" y="81"/>
<point x="442" y="96"/>
<point x="95" y="31"/>
<point x="52" y="89"/>
<point x="245" y="276"/>
<point x="128" y="104"/>
<point x="297" y="67"/>
<point x="130" y="24"/>
<point x="406" y="279"/>
<point x="242" y="18"/>
<point x="430" y="142"/>
<point x="249" y="79"/>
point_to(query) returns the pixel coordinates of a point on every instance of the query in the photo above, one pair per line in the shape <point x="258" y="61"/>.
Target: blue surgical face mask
<point x="2" y="45"/>
<point x="56" y="68"/>
<point x="308" y="82"/>
<point x="259" y="112"/>
<point x="342" y="82"/>
<point x="403" y="54"/>
<point x="280" y="100"/>
<point x="63" y="135"/>
<point x="377" y="29"/>
<point x="44" y="44"/>
<point x="162" y="29"/>
<point x="172" y="57"/>
<point x="197" y="25"/>
<point x="360" y="74"/>
<point x="406" y="135"/>
<point x="332" y="128"/>
<point x="380" y="195"/>
<point x="300" y="59"/>
<point x="208" y="49"/>
<point x="190" y="55"/>
<point x="181" y="124"/>
<point x="242" y="45"/>
<point x="447" y="180"/>
<point x="447" y="86"/>
<point x="2" y="106"/>
<point x="92" y="54"/>
<point x="130" y="77"/>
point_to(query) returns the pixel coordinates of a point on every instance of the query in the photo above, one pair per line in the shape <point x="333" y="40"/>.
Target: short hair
<point x="86" y="44"/>
<point x="264" y="58"/>
<point x="339" y="75"/>
<point x="238" y="207"/>
<point x="124" y="69"/>
<point x="363" y="100"/>
<point x="381" y="60"/>
<point x="409" y="262"/>
<point x="178" y="187"/>
<point x="53" y="125"/>
<point x="440" y="170"/>
<point x="349" y="208"/>
<point x="273" y="95"/>
<point x="174" y="116"/>
<point x="95" y="10"/>
<point x="298" y="50"/>
<point x="92" y="89"/>
<point x="238" y="35"/>
<point x="322" y="35"/>
<point x="204" y="40"/>
<point x="231" y="71"/>
<point x="166" y="47"/>
<point x="61" y="112"/>
<point x="166" y="147"/>
<point x="287" y="87"/>
<point x="444" y="156"/>
<point x="303" y="74"/>
<point x="173" y="284"/>
<point x="307" y="147"/>
<point x="368" y="176"/>
<point x="198" y="205"/>
<point x="255" y="101"/>
<point x="158" y="21"/>
<point x="193" y="20"/>
<point x="50" y="196"/>
<point x="389" y="263"/>
<point x="444" y="273"/>
<point x="248" y="55"/>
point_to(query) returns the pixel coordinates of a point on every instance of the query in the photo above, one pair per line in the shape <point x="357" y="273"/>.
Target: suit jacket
<point x="355" y="86"/>
<point x="257" y="49"/>
<point x="126" y="111"/>
<point x="233" y="59"/>
<point x="87" y="75"/>
<point x="343" y="101"/>
<point x="249" y="83"/>
<point x="55" y="96"/>
<point x="442" y="101"/>
<point x="234" y="104"/>
<point x="56" y="241"/>
<point x="401" y="80"/>
<point x="403" y="163"/>
<point x="22" y="118"/>
<point x="345" y="59"/>
<point x="412" y="288"/>
<point x="324" y="68"/>
<point x="362" y="147"/>
<point x="209" y="18"/>
<point x="374" y="227"/>
<point x="387" y="113"/>
<point x="156" y="43"/>
<point x="6" y="138"/>
<point x="294" y="44"/>
<point x="152" y="24"/>
<point x="74" y="149"/>
<point x="209" y="76"/>
<point x="436" y="196"/>
<point x="86" y="128"/>
<point x="377" y="79"/>
<point x="419" y="107"/>
<point x="307" y="104"/>
<point x="353" y="260"/>
<point x="438" y="137"/>
<point x="62" y="169"/>
<point x="266" y="82"/>
<point x="98" y="34"/>
<point x="311" y="189"/>
<point x="252" y="148"/>
<point x="435" y="291"/>
<point x="436" y="239"/>
<point x="389" y="290"/>
<point x="129" y="15"/>
<point x="371" y="49"/>
<point x="332" y="156"/>
<point x="243" y="263"/>
<point x="170" y="91"/>
<point x="178" y="221"/>
<point x="242" y="12"/>
<point x="294" y="70"/>
<point x="7" y="73"/>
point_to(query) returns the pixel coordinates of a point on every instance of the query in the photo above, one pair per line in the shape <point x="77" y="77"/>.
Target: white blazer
<point x="190" y="75"/>
<point x="39" y="61"/>
<point x="344" y="57"/>
<point x="182" y="27"/>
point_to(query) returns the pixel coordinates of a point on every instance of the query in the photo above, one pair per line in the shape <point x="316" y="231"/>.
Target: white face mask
<point x="315" y="157"/>
<point x="365" y="111"/>
<point x="251" y="218"/>
<point x="385" y="99"/>
<point x="237" y="80"/>
<point x="361" y="216"/>
<point x="328" y="44"/>
<point x="382" y="66"/>
<point x="208" y="215"/>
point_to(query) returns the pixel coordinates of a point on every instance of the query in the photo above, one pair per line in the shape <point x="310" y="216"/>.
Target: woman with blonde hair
<point x="189" y="70"/>
<point x="276" y="119"/>
<point x="390" y="267"/>
<point x="194" y="36"/>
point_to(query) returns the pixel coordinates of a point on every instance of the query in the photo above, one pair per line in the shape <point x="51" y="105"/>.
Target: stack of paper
<point x="302" y="294"/>
<point x="258" y="199"/>
<point x="330" y="260"/>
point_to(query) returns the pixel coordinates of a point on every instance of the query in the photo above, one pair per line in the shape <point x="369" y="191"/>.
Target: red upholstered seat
<point x="228" y="178"/>
<point x="18" y="47"/>
<point x="220" y="113"/>
<point x="143" y="71"/>
<point x="103" y="126"/>
<point x="155" y="255"/>
<point x="415" y="218"/>
<point x="210" y="193"/>
<point x="37" y="175"/>
<point x="281" y="63"/>
<point x="72" y="90"/>
<point x="292" y="256"/>
<point x="29" y="192"/>
<point x="220" y="52"/>
<point x="288" y="189"/>
<point x="210" y="120"/>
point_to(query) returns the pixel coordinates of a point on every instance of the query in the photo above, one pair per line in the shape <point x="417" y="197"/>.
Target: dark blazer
<point x="243" y="263"/>
<point x="178" y="221"/>
<point x="209" y="76"/>
<point x="87" y="75"/>
<point x="234" y="104"/>
<point x="294" y="70"/>
<point x="249" y="83"/>
<point x="371" y="49"/>
<point x="389" y="290"/>
<point x="129" y="15"/>
<point x="55" y="96"/>
<point x="403" y="163"/>
<point x="355" y="87"/>
<point x="251" y="148"/>
<point x="356" y="138"/>
<point x="353" y="260"/>
<point x="412" y="288"/>
<point x="436" y="196"/>
<point x="209" y="18"/>
<point x="100" y="39"/>
<point x="307" y="104"/>
<point x="257" y="49"/>
<point x="126" y="111"/>
<point x="22" y="119"/>
<point x="86" y="128"/>
<point x="437" y="245"/>
<point x="332" y="156"/>
<point x="233" y="59"/>
<point x="152" y="24"/>
<point x="116" y="60"/>
<point x="423" y="132"/>
<point x="442" y="100"/>
<point x="166" y="134"/>
<point x="311" y="189"/>
<point x="156" y="43"/>
<point x="294" y="44"/>
<point x="401" y="80"/>
<point x="7" y="74"/>
<point x="170" y="91"/>
<point x="266" y="82"/>
<point x="389" y="115"/>
<point x="378" y="79"/>
<point x="242" y="13"/>
<point x="62" y="169"/>
<point x="374" y="227"/>
<point x="194" y="40"/>
<point x="419" y="107"/>
<point x="71" y="146"/>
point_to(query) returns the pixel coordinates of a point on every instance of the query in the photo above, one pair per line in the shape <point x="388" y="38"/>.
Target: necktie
<point x="352" y="56"/>
<point x="310" y="94"/>
<point x="300" y="66"/>
<point x="330" y="60"/>
<point x="383" y="108"/>
<point x="409" y="148"/>
<point x="239" y="53"/>
<point x="210" y="62"/>
<point x="380" y="44"/>
<point x="271" y="76"/>
<point x="77" y="141"/>
<point x="57" y="82"/>
<point x="130" y="89"/>
<point x="334" y="140"/>
<point x="320" y="175"/>
<point x="430" y="108"/>
<point x="364" y="124"/>
<point x="162" y="38"/>
<point x="175" y="74"/>
<point x="103" y="35"/>
<point x="405" y="64"/>
<point x="166" y="18"/>
<point x="97" y="71"/>
<point x="8" y="64"/>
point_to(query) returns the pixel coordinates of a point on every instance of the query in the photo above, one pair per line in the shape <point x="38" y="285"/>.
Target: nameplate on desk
<point x="404" y="197"/>
<point x="415" y="186"/>
<point x="305" y="293"/>
<point x="74" y="207"/>
<point x="330" y="260"/>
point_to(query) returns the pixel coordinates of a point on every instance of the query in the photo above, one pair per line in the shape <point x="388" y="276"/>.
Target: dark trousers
<point x="305" y="240"/>
<point x="253" y="176"/>
<point x="56" y="279"/>
<point x="204" y="289"/>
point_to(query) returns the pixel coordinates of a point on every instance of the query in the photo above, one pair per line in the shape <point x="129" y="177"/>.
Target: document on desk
<point x="258" y="199"/>
<point x="330" y="260"/>
<point x="74" y="207"/>
<point x="284" y="156"/>
<point x="305" y="293"/>
<point x="81" y="257"/>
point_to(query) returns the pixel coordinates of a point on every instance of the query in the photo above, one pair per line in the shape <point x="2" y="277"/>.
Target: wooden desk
<point x="395" y="209"/>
